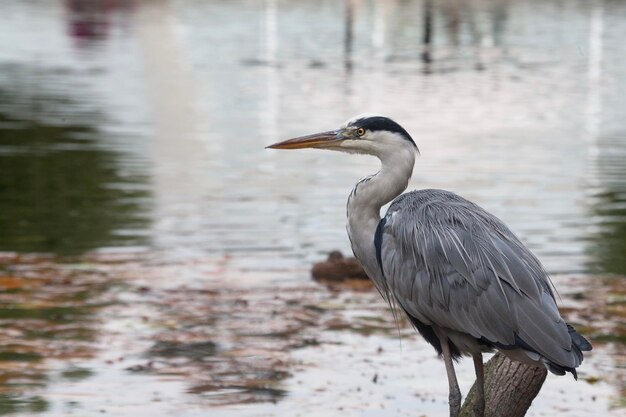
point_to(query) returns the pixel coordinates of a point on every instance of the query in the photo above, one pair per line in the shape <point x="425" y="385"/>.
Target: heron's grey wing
<point x="450" y="263"/>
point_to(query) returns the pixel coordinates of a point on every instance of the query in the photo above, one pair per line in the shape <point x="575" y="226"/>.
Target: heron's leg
<point x="454" y="391"/>
<point x="479" y="403"/>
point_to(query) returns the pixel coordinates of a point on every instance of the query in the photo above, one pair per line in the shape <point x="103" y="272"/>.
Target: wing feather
<point x="450" y="263"/>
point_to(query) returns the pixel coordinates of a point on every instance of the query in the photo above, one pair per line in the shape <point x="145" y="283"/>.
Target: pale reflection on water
<point x="140" y="127"/>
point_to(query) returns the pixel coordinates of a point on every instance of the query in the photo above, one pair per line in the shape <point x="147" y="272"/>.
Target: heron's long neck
<point x="368" y="196"/>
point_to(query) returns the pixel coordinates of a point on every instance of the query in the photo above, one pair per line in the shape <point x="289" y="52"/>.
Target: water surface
<point x="152" y="246"/>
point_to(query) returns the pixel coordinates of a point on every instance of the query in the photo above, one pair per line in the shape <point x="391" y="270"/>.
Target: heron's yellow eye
<point x="360" y="131"/>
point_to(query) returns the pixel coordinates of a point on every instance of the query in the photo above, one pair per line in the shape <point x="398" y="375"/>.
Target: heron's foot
<point x="455" y="403"/>
<point x="479" y="407"/>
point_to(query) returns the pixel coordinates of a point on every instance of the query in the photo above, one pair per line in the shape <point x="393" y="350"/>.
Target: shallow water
<point x="169" y="252"/>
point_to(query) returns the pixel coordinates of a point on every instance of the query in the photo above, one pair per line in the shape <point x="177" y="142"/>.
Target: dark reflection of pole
<point x="451" y="16"/>
<point x="349" y="29"/>
<point x="499" y="16"/>
<point x="477" y="37"/>
<point x="428" y="34"/>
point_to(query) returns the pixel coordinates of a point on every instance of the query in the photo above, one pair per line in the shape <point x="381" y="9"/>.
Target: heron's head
<point x="367" y="134"/>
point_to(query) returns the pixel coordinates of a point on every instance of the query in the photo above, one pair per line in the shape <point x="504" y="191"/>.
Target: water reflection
<point x="88" y="20"/>
<point x="348" y="34"/>
<point x="428" y="34"/>
<point x="60" y="191"/>
<point x="610" y="249"/>
<point x="48" y="315"/>
<point x="609" y="207"/>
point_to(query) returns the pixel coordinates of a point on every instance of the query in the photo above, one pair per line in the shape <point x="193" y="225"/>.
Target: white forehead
<point x="360" y="116"/>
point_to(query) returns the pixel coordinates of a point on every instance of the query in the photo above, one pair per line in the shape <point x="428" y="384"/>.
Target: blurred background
<point x="154" y="257"/>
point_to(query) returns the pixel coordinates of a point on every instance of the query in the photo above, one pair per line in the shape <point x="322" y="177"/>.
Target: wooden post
<point x="510" y="388"/>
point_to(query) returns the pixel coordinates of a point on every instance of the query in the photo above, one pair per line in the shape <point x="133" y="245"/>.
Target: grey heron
<point x="465" y="281"/>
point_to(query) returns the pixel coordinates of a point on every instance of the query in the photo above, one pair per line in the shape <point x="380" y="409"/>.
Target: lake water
<point x="154" y="256"/>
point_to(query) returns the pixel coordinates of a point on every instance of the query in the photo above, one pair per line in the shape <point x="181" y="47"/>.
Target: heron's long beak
<point x="316" y="140"/>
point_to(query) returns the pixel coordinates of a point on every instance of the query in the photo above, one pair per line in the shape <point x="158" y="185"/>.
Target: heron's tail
<point x="579" y="345"/>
